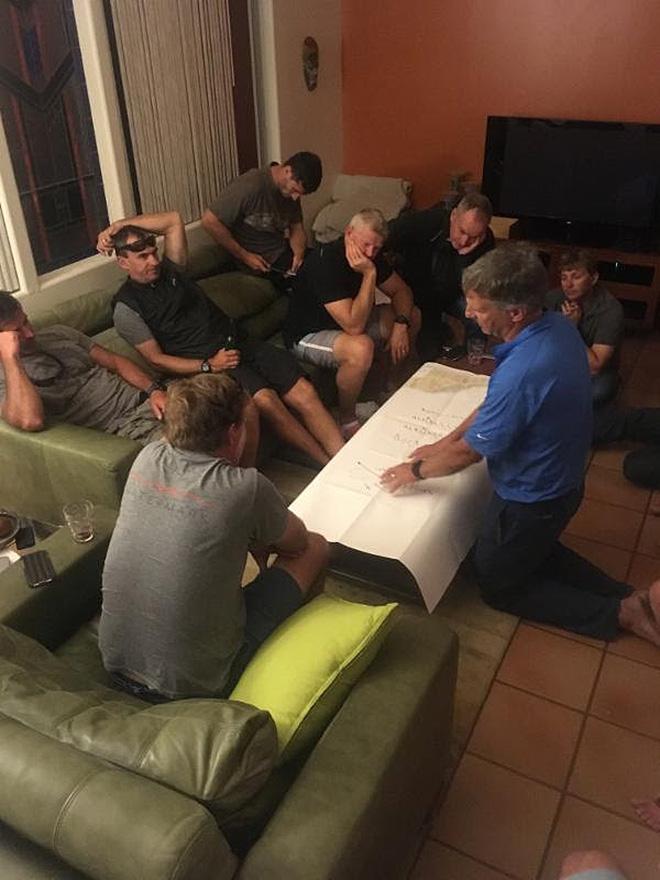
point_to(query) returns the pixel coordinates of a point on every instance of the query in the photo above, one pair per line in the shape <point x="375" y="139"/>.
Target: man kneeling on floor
<point x="175" y="621"/>
<point x="534" y="430"/>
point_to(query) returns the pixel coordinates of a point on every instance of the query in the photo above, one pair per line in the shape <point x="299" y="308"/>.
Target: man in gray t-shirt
<point x="61" y="373"/>
<point x="175" y="622"/>
<point x="257" y="217"/>
<point x="597" y="315"/>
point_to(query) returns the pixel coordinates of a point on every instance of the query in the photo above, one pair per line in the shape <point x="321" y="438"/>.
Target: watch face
<point x="206" y="367"/>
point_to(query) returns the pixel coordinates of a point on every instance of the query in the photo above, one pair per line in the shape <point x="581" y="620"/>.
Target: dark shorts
<point x="270" y="598"/>
<point x="266" y="366"/>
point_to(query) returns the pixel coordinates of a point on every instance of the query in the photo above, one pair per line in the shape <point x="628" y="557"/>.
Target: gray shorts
<point x="318" y="348"/>
<point x="597" y="874"/>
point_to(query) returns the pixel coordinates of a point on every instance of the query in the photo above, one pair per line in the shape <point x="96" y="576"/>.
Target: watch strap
<point x="416" y="469"/>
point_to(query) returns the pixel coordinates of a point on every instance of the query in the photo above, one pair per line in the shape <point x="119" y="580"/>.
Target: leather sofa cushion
<point x="107" y="823"/>
<point x="217" y="751"/>
<point x="238" y="294"/>
<point x="90" y="313"/>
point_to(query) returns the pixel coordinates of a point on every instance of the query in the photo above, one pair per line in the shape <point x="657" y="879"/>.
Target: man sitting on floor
<point x="61" y="373"/>
<point x="175" y="621"/>
<point x="334" y="320"/>
<point x="534" y="429"/>
<point x="257" y="218"/>
<point x="431" y="248"/>
<point x="597" y="315"/>
<point x="179" y="330"/>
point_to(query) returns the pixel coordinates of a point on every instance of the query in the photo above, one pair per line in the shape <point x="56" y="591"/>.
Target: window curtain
<point x="8" y="276"/>
<point x="176" y="68"/>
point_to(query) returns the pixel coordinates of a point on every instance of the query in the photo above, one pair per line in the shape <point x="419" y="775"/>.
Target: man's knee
<point x="267" y="400"/>
<point x="586" y="860"/>
<point x="357" y="351"/>
<point x="302" y="395"/>
<point x="318" y="550"/>
<point x="642" y="467"/>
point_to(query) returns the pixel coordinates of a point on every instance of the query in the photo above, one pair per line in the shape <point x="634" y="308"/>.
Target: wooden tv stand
<point x="633" y="278"/>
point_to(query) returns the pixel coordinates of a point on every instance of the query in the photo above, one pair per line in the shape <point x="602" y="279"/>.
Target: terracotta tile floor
<point x="570" y="729"/>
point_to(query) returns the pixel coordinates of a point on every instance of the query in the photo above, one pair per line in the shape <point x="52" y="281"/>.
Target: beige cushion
<point x="354" y="192"/>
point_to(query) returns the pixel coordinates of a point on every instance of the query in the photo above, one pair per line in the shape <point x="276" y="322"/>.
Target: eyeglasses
<point x="141" y="244"/>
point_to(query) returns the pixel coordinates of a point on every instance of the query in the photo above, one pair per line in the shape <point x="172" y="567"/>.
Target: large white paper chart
<point x="428" y="527"/>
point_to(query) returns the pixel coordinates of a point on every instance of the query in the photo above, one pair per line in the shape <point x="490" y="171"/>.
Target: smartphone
<point x="25" y="535"/>
<point x="38" y="568"/>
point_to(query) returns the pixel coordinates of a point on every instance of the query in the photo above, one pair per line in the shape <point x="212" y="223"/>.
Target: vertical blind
<point x="8" y="276"/>
<point x="176" y="68"/>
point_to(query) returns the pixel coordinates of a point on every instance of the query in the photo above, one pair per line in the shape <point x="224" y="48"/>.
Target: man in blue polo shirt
<point x="534" y="429"/>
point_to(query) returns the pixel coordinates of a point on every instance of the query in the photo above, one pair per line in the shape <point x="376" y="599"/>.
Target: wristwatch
<point x="401" y="319"/>
<point x="416" y="468"/>
<point x="156" y="385"/>
<point x="205" y="367"/>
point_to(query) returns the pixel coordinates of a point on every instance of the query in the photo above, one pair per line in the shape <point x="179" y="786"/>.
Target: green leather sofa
<point x="64" y="462"/>
<point x="353" y="807"/>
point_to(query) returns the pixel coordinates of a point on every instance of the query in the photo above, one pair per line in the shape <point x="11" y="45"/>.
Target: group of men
<point x="199" y="488"/>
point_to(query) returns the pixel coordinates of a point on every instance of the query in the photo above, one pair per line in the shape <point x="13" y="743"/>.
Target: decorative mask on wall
<point x="310" y="57"/>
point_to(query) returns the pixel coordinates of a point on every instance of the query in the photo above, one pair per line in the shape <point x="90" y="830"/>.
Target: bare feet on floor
<point x="649" y="812"/>
<point x="640" y="613"/>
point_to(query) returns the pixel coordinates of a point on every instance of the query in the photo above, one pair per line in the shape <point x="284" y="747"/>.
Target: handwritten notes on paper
<point x="429" y="526"/>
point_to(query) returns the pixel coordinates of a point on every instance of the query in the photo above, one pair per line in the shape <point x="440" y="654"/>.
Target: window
<point x="46" y="114"/>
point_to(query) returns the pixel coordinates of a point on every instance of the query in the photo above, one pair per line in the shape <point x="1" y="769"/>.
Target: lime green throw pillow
<point x="306" y="669"/>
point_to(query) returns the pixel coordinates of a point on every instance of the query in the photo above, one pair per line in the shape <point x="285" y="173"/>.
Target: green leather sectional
<point x="87" y="791"/>
<point x="64" y="462"/>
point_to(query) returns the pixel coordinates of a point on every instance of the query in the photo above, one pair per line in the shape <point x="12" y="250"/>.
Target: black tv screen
<point x="575" y="171"/>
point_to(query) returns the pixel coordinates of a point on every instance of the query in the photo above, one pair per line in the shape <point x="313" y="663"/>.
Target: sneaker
<point x="349" y="429"/>
<point x="365" y="410"/>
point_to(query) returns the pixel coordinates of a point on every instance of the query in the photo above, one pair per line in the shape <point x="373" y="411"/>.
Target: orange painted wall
<point x="421" y="76"/>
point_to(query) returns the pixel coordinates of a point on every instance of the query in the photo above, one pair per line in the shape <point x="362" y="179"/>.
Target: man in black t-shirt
<point x="431" y="248"/>
<point x="171" y="322"/>
<point x="334" y="320"/>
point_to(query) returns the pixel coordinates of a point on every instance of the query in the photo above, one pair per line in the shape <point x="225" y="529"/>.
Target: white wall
<point x="291" y="118"/>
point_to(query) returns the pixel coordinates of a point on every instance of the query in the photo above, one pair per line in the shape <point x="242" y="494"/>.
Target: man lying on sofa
<point x="175" y="622"/>
<point x="179" y="330"/>
<point x="61" y="373"/>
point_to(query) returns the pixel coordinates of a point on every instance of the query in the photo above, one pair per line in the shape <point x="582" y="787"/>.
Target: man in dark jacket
<point x="431" y="248"/>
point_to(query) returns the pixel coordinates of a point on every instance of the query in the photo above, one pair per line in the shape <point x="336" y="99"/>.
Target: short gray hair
<point x="476" y="201"/>
<point x="510" y="275"/>
<point x="9" y="307"/>
<point x="373" y="219"/>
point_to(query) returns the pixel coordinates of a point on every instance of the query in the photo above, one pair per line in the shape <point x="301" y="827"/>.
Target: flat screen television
<point x="564" y="171"/>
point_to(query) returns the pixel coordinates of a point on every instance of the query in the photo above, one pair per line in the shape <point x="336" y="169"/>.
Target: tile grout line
<point x="564" y="793"/>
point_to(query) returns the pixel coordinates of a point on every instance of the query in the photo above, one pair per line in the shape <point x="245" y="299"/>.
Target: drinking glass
<point x="79" y="516"/>
<point x="476" y="348"/>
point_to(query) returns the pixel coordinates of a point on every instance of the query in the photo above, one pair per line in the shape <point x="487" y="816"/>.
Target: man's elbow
<point x="208" y="221"/>
<point x="31" y="423"/>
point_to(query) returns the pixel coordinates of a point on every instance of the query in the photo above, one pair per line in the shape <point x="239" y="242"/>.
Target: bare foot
<point x="639" y="613"/>
<point x="648" y="811"/>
